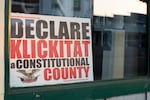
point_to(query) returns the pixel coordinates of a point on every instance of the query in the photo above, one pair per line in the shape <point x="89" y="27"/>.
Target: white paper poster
<point x="47" y="50"/>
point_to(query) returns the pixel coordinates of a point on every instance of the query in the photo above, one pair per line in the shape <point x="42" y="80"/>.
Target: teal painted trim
<point x="148" y="30"/>
<point x="82" y="91"/>
<point x="6" y="49"/>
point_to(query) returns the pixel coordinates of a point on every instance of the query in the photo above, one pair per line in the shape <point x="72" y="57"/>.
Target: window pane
<point x="119" y="39"/>
<point x="71" y="8"/>
<point x="119" y="32"/>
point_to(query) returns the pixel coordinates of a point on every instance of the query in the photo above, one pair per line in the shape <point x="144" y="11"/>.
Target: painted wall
<point x="2" y="4"/>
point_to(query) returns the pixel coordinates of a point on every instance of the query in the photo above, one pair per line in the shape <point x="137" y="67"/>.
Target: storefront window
<point x="120" y="39"/>
<point x="119" y="35"/>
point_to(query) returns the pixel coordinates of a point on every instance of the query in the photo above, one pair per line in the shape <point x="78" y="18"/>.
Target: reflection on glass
<point x="118" y="7"/>
<point x="119" y="39"/>
<point x="71" y="8"/>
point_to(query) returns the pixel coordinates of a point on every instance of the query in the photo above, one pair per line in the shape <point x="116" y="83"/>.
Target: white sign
<point x="47" y="50"/>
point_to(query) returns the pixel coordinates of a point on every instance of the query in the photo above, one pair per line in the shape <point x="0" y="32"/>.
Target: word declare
<point x="41" y="29"/>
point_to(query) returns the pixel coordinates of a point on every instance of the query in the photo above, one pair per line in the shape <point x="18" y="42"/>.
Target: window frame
<point x="87" y="90"/>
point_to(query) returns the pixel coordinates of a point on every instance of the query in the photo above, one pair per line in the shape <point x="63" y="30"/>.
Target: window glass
<point x="119" y="33"/>
<point x="119" y="39"/>
<point x="71" y="8"/>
